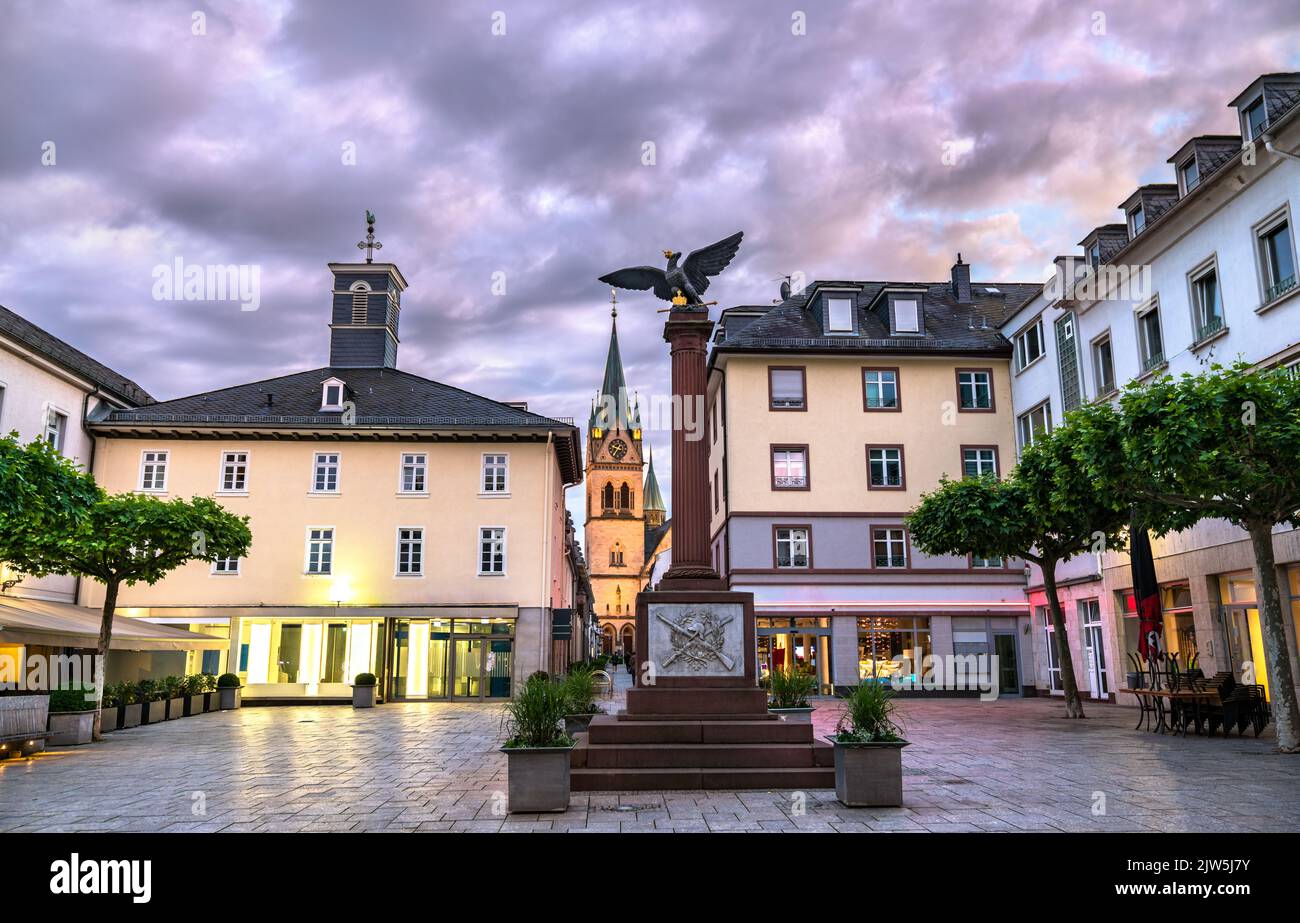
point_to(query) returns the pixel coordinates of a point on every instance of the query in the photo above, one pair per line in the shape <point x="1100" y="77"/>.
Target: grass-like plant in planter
<point x="789" y="691"/>
<point x="229" y="686"/>
<point x="364" y="689"/>
<point x="869" y="748"/>
<point x="537" y="747"/>
<point x="580" y="692"/>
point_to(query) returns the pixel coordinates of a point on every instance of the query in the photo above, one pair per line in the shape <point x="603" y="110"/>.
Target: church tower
<point x="616" y="514"/>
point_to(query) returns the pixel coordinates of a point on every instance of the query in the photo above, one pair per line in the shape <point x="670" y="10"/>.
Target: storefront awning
<point x="36" y="621"/>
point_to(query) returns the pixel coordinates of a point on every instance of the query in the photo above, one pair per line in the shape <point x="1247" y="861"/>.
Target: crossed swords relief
<point x="698" y="638"/>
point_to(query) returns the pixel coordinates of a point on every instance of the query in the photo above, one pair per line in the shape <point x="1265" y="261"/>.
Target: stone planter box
<point x="793" y="715"/>
<point x="230" y="697"/>
<point x="364" y="696"/>
<point x="71" y="728"/>
<point x="577" y="724"/>
<point x="24" y="716"/>
<point x="175" y="708"/>
<point x="132" y="715"/>
<point x="153" y="712"/>
<point x="869" y="774"/>
<point x="110" y="719"/>
<point x="195" y="704"/>
<point x="537" y="779"/>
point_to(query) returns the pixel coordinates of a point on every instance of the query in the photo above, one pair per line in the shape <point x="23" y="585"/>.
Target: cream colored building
<point x="400" y="526"/>
<point x="830" y="414"/>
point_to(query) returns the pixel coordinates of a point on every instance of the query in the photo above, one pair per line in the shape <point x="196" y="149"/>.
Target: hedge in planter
<point x="538" y="749"/>
<point x="363" y="690"/>
<point x="72" y="717"/>
<point x="228" y="687"/>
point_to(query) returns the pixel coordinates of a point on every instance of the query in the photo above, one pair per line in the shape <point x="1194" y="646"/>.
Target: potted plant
<point x="211" y="698"/>
<point x="111" y="719"/>
<point x="363" y="690"/>
<point x="174" y="696"/>
<point x="153" y="707"/>
<point x="132" y="709"/>
<point x="192" y="690"/>
<point x="868" y="749"/>
<point x="72" y="717"/>
<point x="537" y="748"/>
<point x="789" y="691"/>
<point x="229" y="686"/>
<point x="580" y="698"/>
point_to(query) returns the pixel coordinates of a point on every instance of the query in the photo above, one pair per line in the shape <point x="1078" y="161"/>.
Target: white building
<point x="1202" y="271"/>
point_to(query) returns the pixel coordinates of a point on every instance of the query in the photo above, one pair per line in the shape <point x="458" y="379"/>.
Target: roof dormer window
<point x="1094" y="255"/>
<point x="1253" y="119"/>
<point x="1188" y="175"/>
<point x="332" y="395"/>
<point x="907" y="317"/>
<point x="1137" y="221"/>
<point x="839" y="315"/>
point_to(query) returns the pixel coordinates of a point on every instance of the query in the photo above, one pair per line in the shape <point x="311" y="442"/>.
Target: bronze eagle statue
<point x="690" y="279"/>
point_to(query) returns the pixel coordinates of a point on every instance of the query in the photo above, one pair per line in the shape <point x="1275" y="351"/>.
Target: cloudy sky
<point x="523" y="153"/>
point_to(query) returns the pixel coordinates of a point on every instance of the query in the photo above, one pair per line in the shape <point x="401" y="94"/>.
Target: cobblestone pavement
<point x="1006" y="766"/>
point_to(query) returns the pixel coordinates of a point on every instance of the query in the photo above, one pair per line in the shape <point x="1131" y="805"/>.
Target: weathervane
<point x="613" y="302"/>
<point x="370" y="245"/>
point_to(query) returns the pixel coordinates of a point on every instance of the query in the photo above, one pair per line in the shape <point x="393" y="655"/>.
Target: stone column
<point x="687" y="332"/>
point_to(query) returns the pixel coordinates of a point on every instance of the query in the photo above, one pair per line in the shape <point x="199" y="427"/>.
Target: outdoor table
<point x="1193" y="697"/>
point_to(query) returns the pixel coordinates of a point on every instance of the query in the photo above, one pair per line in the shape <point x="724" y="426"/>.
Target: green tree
<point x="55" y="520"/>
<point x="1046" y="511"/>
<point x="1221" y="445"/>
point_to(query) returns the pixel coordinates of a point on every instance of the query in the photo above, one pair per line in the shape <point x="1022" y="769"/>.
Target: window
<point x="414" y="468"/>
<point x="226" y="567"/>
<point x="786" y="389"/>
<point x="716" y="504"/>
<point x="1254" y="118"/>
<point x="1137" y="221"/>
<point x="1032" y="422"/>
<point x="880" y="389"/>
<point x="2" y="404"/>
<point x="1207" y="303"/>
<point x="1151" y="348"/>
<point x="715" y="421"/>
<point x="979" y="460"/>
<point x="234" y="472"/>
<point x="975" y="389"/>
<point x="978" y="563"/>
<point x="625" y="497"/>
<point x="607" y="497"/>
<point x="1188" y="175"/>
<point x="492" y="551"/>
<point x="1094" y="255"/>
<point x="1029" y="344"/>
<point x="789" y="467"/>
<point x="153" y="471"/>
<point x="56" y="428"/>
<point x="410" y="552"/>
<point x="890" y="547"/>
<point x="616" y="555"/>
<point x="792" y="546"/>
<point x="333" y="392"/>
<point x="839" y="315"/>
<point x="1103" y="365"/>
<point x="320" y="550"/>
<point x="326" y="476"/>
<point x="907" y="318"/>
<point x="1067" y="362"/>
<point x="1276" y="259"/>
<point x="885" y="467"/>
<point x="495" y="469"/>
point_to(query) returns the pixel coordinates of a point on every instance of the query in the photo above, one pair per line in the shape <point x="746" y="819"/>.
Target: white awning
<point x="37" y="621"/>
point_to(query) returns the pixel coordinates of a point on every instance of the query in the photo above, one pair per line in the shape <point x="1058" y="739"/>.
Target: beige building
<point x="830" y="414"/>
<point x="626" y="528"/>
<point x="400" y="526"/>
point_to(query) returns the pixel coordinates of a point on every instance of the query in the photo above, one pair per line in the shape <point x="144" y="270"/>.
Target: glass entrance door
<point x="1004" y="647"/>
<point x="419" y="659"/>
<point x="468" y="682"/>
<point x="1094" y="652"/>
<point x="1245" y="646"/>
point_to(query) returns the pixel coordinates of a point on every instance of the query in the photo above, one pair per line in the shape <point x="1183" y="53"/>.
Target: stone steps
<point x="702" y="756"/>
<point x="608" y="729"/>
<point x="734" y="779"/>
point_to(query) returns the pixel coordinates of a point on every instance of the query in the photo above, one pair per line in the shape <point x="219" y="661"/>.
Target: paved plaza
<point x="1006" y="766"/>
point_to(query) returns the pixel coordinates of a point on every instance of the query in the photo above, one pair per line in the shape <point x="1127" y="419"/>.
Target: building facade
<point x="400" y="526"/>
<point x="1200" y="271"/>
<point x="829" y="414"/>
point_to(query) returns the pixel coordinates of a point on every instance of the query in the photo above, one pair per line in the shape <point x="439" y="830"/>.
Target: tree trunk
<point x="1073" y="704"/>
<point x="1276" y="657"/>
<point x="101" y="655"/>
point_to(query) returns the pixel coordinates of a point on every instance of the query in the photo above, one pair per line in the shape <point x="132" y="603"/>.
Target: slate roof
<point x="68" y="357"/>
<point x="791" y="326"/>
<point x="383" y="397"/>
<point x="654" y="536"/>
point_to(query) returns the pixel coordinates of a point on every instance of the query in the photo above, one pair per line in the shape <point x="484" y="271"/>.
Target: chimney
<point x="961" y="281"/>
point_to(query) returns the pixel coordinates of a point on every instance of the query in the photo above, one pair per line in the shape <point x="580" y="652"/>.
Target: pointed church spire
<point x="654" y="499"/>
<point x="613" y="390"/>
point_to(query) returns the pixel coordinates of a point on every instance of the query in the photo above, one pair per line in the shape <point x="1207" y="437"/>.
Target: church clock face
<point x="617" y="449"/>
